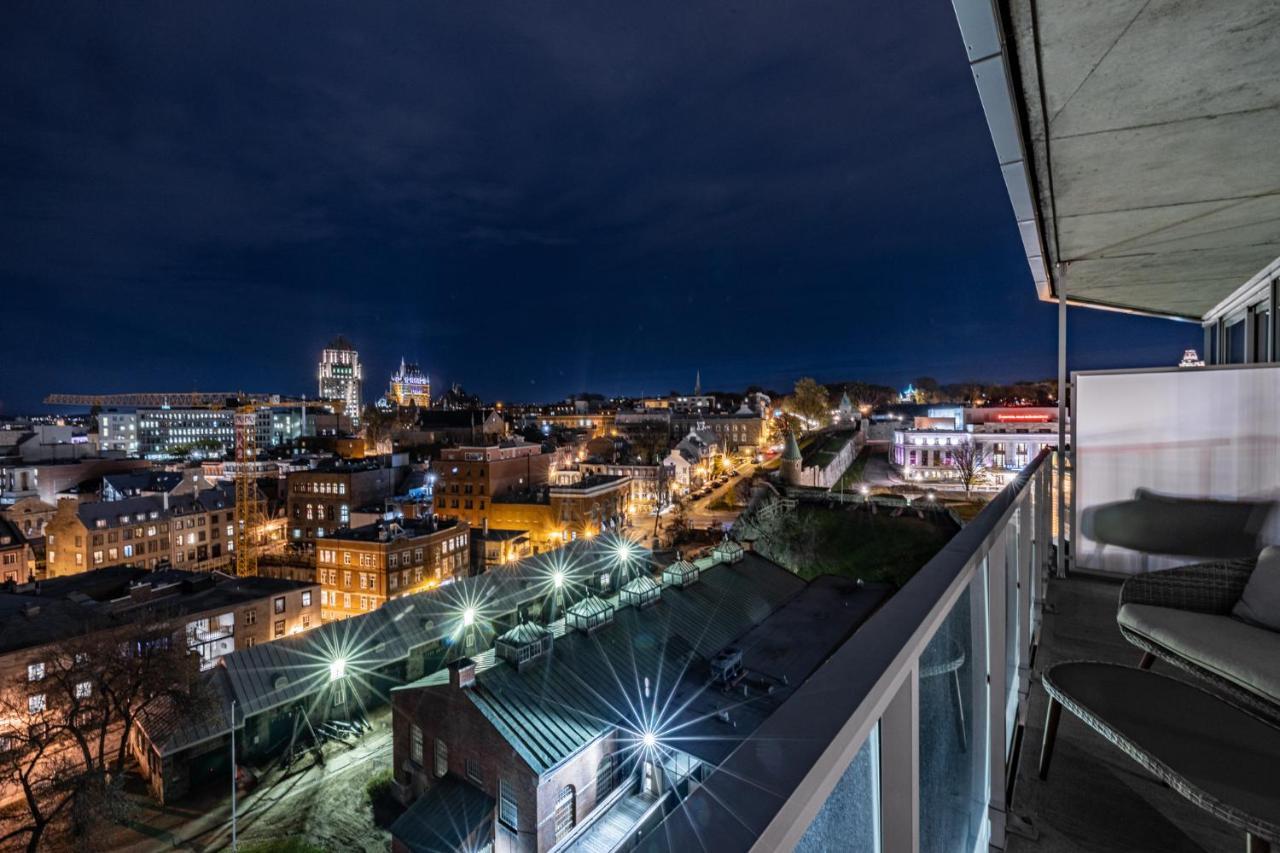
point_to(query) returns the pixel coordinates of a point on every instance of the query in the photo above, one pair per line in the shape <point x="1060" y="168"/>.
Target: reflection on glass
<point x="850" y="818"/>
<point x="953" y="727"/>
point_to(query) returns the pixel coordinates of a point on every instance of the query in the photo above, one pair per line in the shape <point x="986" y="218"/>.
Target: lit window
<point x="35" y="704"/>
<point x="35" y="672"/>
<point x="415" y="743"/>
<point x="84" y="689"/>
<point x="442" y="757"/>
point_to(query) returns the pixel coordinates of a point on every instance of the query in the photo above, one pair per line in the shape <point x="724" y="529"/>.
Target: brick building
<point x="469" y="478"/>
<point x="360" y="568"/>
<point x="189" y="531"/>
<point x="320" y="501"/>
<point x="565" y="511"/>
<point x="212" y="614"/>
<point x="530" y="747"/>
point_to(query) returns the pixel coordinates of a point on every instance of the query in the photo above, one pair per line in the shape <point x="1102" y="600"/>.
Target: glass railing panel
<point x="849" y="820"/>
<point x="1012" y="638"/>
<point x="953" y="727"/>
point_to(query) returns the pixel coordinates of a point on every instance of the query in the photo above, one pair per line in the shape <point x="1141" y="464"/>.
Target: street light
<point x="337" y="668"/>
<point x="468" y="617"/>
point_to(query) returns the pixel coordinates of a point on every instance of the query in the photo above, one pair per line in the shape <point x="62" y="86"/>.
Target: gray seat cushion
<point x="1260" y="602"/>
<point x="1242" y="654"/>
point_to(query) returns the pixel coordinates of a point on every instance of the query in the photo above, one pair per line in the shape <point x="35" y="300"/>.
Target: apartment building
<point x="470" y="477"/>
<point x="320" y="501"/>
<point x="360" y="568"/>
<point x="189" y="531"/>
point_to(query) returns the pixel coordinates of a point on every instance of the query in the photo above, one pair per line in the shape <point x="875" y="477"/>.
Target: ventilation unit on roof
<point x="589" y="614"/>
<point x="523" y="643"/>
<point x="726" y="666"/>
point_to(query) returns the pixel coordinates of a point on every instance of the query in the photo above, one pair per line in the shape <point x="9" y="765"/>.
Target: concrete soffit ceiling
<point x="1139" y="142"/>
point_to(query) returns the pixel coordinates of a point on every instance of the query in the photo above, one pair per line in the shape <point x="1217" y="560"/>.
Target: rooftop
<point x="560" y="702"/>
<point x="383" y="531"/>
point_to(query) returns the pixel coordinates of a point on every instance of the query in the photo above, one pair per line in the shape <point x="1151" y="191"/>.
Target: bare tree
<point x="68" y="720"/>
<point x="970" y="462"/>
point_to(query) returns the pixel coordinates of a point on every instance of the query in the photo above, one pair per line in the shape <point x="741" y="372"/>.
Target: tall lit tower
<point x="341" y="375"/>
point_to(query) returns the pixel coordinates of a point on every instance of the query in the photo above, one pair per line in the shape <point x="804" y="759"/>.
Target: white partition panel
<point x="1195" y="433"/>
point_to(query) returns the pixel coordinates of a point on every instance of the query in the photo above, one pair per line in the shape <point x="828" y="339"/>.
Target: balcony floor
<point x="1096" y="797"/>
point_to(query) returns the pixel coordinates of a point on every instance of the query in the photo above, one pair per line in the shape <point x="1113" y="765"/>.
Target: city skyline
<point x="645" y="218"/>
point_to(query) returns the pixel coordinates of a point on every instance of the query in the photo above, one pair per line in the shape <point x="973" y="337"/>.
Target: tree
<point x="810" y="401"/>
<point x="969" y="461"/>
<point x="68" y="720"/>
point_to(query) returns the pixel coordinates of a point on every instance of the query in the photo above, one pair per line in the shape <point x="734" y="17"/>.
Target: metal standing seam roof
<point x="383" y="636"/>
<point x="579" y="691"/>
<point x="443" y="819"/>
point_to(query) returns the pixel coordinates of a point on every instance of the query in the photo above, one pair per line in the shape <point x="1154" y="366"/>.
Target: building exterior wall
<point x="165" y="433"/>
<point x="320" y="502"/>
<point x="444" y="712"/>
<point x="470" y="477"/>
<point x="358" y="575"/>
<point x="927" y="454"/>
<point x="71" y="547"/>
<point x="341" y="376"/>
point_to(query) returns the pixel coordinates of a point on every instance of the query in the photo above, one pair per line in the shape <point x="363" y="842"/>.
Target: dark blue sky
<point x="530" y="199"/>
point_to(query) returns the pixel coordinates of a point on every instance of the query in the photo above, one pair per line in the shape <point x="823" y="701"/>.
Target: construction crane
<point x="249" y="509"/>
<point x="156" y="399"/>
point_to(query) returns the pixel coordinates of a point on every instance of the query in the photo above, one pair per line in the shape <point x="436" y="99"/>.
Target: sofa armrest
<point x="1212" y="587"/>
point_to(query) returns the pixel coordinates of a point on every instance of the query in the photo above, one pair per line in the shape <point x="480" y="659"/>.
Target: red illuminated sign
<point x="1027" y="418"/>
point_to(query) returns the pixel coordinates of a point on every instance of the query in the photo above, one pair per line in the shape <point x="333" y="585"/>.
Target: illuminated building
<point x="359" y="569"/>
<point x="470" y="477"/>
<point x="341" y="376"/>
<point x="565" y="511"/>
<point x="410" y="386"/>
<point x="1009" y="438"/>
<point x="320" y="500"/>
<point x="189" y="531"/>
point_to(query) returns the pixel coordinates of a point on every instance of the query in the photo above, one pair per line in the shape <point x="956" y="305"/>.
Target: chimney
<point x="462" y="674"/>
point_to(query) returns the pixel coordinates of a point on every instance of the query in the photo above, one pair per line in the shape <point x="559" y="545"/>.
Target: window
<point x="415" y="744"/>
<point x="507" y="811"/>
<point x="346" y="601"/>
<point x="442" y="757"/>
<point x="278" y="630"/>
<point x="474" y="774"/>
<point x="564" y="811"/>
<point x="35" y="672"/>
<point x="346" y="558"/>
<point x="346" y="579"/>
<point x="35" y="703"/>
<point x="84" y="689"/>
<point x="251" y="616"/>
<point x="604" y="777"/>
<point x="306" y="598"/>
<point x="279" y="604"/>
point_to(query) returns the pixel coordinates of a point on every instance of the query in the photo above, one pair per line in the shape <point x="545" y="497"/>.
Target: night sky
<point x="529" y="198"/>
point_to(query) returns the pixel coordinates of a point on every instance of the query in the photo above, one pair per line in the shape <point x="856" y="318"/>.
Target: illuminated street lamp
<point x="468" y="617"/>
<point x="649" y="739"/>
<point x="337" y="668"/>
<point x="557" y="579"/>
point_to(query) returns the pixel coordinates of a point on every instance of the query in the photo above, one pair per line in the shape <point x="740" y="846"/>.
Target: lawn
<point x="853" y="542"/>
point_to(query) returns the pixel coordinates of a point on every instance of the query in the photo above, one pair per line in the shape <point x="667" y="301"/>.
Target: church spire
<point x="697" y="384"/>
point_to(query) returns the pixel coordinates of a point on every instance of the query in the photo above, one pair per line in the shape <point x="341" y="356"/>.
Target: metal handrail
<point x="767" y="792"/>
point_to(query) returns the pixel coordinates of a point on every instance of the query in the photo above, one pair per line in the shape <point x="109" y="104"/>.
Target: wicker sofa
<point x="1183" y="616"/>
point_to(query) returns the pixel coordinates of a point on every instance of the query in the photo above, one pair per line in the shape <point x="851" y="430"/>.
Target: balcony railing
<point x="902" y="740"/>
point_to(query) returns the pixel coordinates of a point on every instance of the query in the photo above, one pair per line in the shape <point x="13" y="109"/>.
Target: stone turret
<point x="791" y="461"/>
